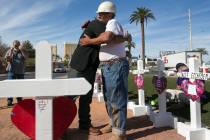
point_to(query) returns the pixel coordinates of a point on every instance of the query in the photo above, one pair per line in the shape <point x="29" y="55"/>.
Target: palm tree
<point x="202" y="50"/>
<point x="67" y="57"/>
<point x="142" y="15"/>
<point x="58" y="57"/>
<point x="66" y="60"/>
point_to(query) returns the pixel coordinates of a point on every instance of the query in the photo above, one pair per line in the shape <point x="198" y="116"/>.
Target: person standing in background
<point x="15" y="58"/>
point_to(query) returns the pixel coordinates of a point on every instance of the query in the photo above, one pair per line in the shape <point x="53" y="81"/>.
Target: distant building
<point x="69" y="49"/>
<point x="150" y="61"/>
<point x="172" y="59"/>
<point x="54" y="51"/>
<point x="162" y="53"/>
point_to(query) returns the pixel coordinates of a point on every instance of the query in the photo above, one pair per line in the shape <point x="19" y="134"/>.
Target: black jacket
<point x="85" y="57"/>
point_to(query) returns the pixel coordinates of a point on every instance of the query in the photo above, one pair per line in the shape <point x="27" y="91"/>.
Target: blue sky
<point x="59" y="21"/>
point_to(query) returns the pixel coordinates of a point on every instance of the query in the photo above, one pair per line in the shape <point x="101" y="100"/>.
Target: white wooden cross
<point x="96" y="92"/>
<point x="194" y="131"/>
<point x="140" y="109"/>
<point x="162" y="118"/>
<point x="141" y="95"/>
<point x="44" y="88"/>
<point x="204" y="68"/>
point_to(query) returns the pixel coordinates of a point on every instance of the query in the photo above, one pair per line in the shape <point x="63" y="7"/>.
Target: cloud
<point x="28" y="14"/>
<point x="6" y="7"/>
<point x="203" y="9"/>
<point x="31" y="21"/>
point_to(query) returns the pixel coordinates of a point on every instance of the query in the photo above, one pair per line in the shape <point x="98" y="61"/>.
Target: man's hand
<point x="84" y="41"/>
<point x="105" y="37"/>
<point x="21" y="48"/>
<point x="85" y="24"/>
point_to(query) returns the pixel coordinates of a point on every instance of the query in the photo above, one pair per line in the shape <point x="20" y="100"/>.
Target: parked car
<point x="59" y="68"/>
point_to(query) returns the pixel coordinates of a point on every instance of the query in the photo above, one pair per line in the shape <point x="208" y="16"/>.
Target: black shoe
<point x="91" y="131"/>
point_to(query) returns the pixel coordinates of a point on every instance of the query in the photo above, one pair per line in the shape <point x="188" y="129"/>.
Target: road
<point x="31" y="75"/>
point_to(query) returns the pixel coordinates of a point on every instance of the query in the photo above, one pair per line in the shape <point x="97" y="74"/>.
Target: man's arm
<point x="120" y="39"/>
<point x="106" y="37"/>
<point x="101" y="39"/>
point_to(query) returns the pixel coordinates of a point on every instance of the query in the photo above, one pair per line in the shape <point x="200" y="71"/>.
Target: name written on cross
<point x="194" y="75"/>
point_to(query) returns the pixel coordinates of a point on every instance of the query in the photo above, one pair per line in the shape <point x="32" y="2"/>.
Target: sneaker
<point x="91" y="131"/>
<point x="117" y="137"/>
<point x="9" y="103"/>
<point x="106" y="129"/>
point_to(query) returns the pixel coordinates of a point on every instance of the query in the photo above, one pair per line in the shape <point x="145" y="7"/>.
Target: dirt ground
<point x="138" y="128"/>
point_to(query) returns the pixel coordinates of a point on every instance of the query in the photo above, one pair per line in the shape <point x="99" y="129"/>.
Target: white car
<point x="59" y="68"/>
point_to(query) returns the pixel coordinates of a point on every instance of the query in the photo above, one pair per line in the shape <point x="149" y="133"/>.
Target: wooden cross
<point x="162" y="96"/>
<point x="194" y="131"/>
<point x="141" y="91"/>
<point x="139" y="109"/>
<point x="140" y="70"/>
<point x="194" y="74"/>
<point x="44" y="88"/>
<point x="163" y="118"/>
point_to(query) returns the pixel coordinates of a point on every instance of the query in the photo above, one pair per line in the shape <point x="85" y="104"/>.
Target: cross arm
<point x="44" y="87"/>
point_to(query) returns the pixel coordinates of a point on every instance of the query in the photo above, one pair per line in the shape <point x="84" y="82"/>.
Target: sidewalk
<point x="139" y="128"/>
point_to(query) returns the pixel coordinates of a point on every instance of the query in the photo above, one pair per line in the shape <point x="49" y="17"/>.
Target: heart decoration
<point x="160" y="83"/>
<point x="199" y="87"/>
<point x="64" y="112"/>
<point x="139" y="80"/>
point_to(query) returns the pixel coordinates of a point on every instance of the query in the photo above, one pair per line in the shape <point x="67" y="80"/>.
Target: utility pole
<point x="190" y="32"/>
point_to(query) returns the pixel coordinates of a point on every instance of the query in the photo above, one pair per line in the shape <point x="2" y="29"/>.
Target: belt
<point x="113" y="61"/>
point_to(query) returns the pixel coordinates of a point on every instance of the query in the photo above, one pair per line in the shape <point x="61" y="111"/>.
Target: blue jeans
<point x="11" y="76"/>
<point x="115" y="80"/>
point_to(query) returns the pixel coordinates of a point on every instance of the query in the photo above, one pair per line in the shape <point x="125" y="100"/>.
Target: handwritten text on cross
<point x="194" y="75"/>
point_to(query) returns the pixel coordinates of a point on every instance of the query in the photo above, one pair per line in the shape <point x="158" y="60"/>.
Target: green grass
<point x="150" y="94"/>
